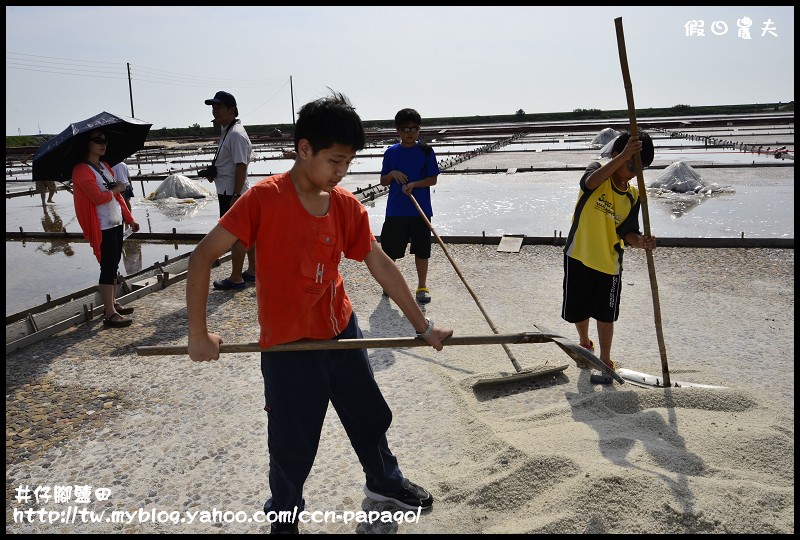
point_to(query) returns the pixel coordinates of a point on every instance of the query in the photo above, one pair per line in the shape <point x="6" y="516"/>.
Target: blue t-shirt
<point x="415" y="164"/>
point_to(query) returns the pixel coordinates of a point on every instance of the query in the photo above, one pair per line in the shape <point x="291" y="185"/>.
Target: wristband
<point x="428" y="331"/>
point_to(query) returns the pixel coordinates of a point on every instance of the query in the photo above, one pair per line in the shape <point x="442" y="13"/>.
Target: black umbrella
<point x="55" y="159"/>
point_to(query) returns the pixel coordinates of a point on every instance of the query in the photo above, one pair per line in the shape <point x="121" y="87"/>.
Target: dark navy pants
<point x="297" y="388"/>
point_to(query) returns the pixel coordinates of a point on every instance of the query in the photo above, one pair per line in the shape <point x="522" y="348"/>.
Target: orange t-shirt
<point x="299" y="288"/>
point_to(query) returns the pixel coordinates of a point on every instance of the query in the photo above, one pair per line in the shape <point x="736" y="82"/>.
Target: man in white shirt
<point x="231" y="161"/>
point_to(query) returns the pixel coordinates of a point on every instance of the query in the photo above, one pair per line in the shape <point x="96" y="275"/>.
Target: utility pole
<point x="291" y="91"/>
<point x="130" y="91"/>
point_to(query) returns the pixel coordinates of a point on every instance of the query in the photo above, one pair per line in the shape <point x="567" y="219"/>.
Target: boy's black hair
<point x="407" y="116"/>
<point x="411" y="116"/>
<point x="328" y="121"/>
<point x="647" y="152"/>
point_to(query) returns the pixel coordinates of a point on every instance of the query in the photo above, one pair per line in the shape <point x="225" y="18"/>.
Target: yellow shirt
<point x="602" y="218"/>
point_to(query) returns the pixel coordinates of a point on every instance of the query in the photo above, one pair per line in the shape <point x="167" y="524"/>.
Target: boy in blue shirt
<point x="409" y="168"/>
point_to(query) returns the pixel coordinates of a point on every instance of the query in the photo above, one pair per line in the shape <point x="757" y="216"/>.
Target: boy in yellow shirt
<point x="606" y="219"/>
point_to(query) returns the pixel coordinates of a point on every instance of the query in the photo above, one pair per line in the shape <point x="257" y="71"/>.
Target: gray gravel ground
<point x="167" y="435"/>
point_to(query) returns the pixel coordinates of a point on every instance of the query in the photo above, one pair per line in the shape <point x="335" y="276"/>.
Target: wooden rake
<point x="574" y="350"/>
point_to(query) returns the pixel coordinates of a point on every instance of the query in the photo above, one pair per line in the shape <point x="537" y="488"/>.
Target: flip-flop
<point x="227" y="284"/>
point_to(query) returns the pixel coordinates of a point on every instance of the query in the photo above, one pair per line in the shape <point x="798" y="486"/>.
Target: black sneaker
<point x="284" y="528"/>
<point x="409" y="497"/>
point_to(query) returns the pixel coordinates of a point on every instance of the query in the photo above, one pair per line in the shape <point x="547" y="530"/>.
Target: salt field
<point x="525" y="186"/>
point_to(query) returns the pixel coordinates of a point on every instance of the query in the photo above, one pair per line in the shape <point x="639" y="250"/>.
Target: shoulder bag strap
<point x="101" y="170"/>
<point x="216" y="154"/>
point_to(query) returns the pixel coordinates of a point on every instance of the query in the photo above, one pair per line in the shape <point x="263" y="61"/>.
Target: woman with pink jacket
<point x="102" y="213"/>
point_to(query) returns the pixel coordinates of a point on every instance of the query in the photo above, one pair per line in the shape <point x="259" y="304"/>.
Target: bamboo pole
<point x="361" y="343"/>
<point x="511" y="357"/>
<point x="637" y="161"/>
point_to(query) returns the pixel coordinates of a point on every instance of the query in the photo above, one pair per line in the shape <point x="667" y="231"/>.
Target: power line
<point x="30" y="56"/>
<point x="144" y="74"/>
<point x="64" y="66"/>
<point x="216" y="80"/>
<point x="136" y="73"/>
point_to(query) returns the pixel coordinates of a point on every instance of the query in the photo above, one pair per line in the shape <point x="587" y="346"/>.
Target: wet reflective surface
<point x="537" y="203"/>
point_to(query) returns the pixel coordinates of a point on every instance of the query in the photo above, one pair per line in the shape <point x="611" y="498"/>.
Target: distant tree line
<point x="195" y="130"/>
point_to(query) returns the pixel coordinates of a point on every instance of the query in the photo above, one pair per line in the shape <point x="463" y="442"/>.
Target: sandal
<point x="119" y="323"/>
<point x="123" y="310"/>
<point x="228" y="284"/>
<point x="247" y="276"/>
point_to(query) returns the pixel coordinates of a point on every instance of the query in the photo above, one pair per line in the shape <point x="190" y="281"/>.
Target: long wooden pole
<point x="362" y="343"/>
<point x="574" y="350"/>
<point x="511" y="357"/>
<point x="637" y="161"/>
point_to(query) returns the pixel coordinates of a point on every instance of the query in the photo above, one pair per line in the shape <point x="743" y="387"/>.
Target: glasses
<point x="413" y="129"/>
<point x="99" y="140"/>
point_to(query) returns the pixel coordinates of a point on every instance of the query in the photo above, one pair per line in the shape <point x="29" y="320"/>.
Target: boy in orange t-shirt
<point x="303" y="224"/>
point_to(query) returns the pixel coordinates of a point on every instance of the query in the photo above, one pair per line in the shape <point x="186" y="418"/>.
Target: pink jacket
<point x="86" y="197"/>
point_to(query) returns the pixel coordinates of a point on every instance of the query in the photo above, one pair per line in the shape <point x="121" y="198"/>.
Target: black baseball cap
<point x="222" y="97"/>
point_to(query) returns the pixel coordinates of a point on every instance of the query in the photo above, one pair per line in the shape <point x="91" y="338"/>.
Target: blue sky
<point x="69" y="63"/>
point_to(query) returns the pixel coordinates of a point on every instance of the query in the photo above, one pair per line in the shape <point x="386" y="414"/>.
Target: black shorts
<point x="589" y="293"/>
<point x="396" y="233"/>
